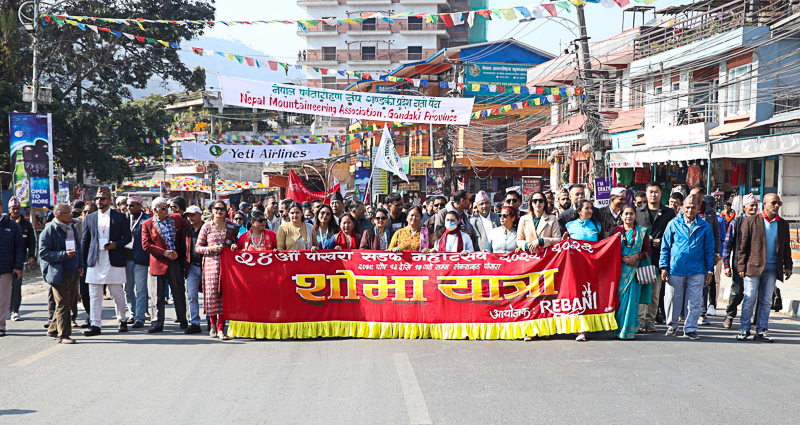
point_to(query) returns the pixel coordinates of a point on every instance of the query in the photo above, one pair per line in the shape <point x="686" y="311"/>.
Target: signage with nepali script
<point x="345" y="104"/>
<point x="570" y="287"/>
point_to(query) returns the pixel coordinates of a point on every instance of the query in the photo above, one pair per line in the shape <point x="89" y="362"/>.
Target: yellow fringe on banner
<point x="352" y="329"/>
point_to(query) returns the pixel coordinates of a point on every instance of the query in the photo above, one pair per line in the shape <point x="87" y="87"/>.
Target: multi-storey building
<point x="377" y="46"/>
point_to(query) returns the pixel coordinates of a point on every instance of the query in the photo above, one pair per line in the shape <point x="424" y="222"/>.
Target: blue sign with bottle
<point x="32" y="158"/>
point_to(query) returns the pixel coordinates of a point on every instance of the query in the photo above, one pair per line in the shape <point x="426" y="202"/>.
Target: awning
<point x="757" y="147"/>
<point x="779" y="119"/>
<point x="633" y="158"/>
<point x="726" y="128"/>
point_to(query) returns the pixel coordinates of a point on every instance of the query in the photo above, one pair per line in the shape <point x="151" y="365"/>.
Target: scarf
<point x="341" y="240"/>
<point x="443" y="240"/>
<point x="66" y="228"/>
<point x="167" y="230"/>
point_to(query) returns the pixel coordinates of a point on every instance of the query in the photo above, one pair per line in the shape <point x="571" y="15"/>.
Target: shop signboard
<point x="408" y="187"/>
<point x="32" y="158"/>
<point x="678" y="135"/>
<point x="602" y="189"/>
<point x="434" y="181"/>
<point x="531" y="185"/>
<point x="418" y="165"/>
<point x="502" y="74"/>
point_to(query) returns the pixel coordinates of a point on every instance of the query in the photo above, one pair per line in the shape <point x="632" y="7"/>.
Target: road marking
<point x="28" y="360"/>
<point x="415" y="401"/>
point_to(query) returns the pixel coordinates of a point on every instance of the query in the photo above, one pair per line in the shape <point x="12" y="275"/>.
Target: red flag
<point x="324" y="71"/>
<point x="250" y="61"/>
<point x="501" y="89"/>
<point x="139" y="38"/>
<point x="550" y="8"/>
<point x="622" y="3"/>
<point x="448" y="21"/>
<point x="196" y="50"/>
<point x="273" y="65"/>
<point x="484" y="12"/>
<point x="366" y="76"/>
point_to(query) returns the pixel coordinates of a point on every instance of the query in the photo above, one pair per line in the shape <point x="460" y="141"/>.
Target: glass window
<point x="415" y="53"/>
<point x="739" y="90"/>
<point x="329" y="53"/>
<point x="755" y="174"/>
<point x="414" y="23"/>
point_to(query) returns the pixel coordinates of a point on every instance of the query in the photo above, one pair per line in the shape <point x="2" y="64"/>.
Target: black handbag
<point x="777" y="301"/>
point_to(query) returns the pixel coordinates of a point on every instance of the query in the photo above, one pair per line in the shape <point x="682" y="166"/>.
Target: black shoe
<point x="86" y="324"/>
<point x="691" y="335"/>
<point x="92" y="331"/>
<point x="184" y="325"/>
<point x="138" y="325"/>
<point x="743" y="334"/>
<point x="123" y="327"/>
<point x="156" y="329"/>
<point x="130" y="321"/>
<point x="47" y="325"/>
<point x="176" y="321"/>
<point x="763" y="337"/>
<point x="193" y="329"/>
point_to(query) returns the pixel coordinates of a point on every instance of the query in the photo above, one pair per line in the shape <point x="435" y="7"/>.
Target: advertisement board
<point x="32" y="158"/>
<point x="361" y="181"/>
<point x="531" y="185"/>
<point x="434" y="181"/>
<point x="494" y="74"/>
<point x="602" y="189"/>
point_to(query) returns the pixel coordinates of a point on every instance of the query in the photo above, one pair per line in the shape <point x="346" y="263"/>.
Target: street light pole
<point x="35" y="80"/>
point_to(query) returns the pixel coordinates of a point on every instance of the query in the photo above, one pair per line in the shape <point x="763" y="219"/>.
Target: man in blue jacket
<point x="138" y="264"/>
<point x="12" y="255"/>
<point x="105" y="234"/>
<point x="687" y="264"/>
<point x="62" y="267"/>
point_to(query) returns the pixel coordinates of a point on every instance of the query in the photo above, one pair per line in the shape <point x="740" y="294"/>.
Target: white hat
<point x="194" y="209"/>
<point x="481" y="196"/>
<point x="748" y="199"/>
<point x="120" y="199"/>
<point x="618" y="191"/>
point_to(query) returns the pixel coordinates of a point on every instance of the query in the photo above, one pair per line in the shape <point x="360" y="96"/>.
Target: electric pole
<point x="593" y="127"/>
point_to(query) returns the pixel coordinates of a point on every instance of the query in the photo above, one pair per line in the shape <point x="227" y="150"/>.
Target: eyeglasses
<point x="261" y="220"/>
<point x="538" y="201"/>
<point x="100" y="198"/>
<point x="220" y="208"/>
<point x="273" y="203"/>
<point x="173" y="207"/>
<point x="511" y="200"/>
<point x="238" y="219"/>
<point x="381" y="217"/>
<point x="775" y="203"/>
<point x="162" y="208"/>
<point x="505" y="215"/>
<point x="439" y="205"/>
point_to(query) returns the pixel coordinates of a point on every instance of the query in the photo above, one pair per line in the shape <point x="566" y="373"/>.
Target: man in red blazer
<point x="161" y="238"/>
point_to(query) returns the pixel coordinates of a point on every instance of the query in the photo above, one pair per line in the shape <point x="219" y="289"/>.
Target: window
<point x="786" y="104"/>
<point x="704" y="102"/>
<point x="739" y="90"/>
<point x="329" y="53"/>
<point x="369" y="25"/>
<point x="415" y="53"/>
<point x="494" y="140"/>
<point x="563" y="110"/>
<point x="367" y="53"/>
<point x="637" y="95"/>
<point x="414" y="24"/>
<point x="658" y="102"/>
<point x="329" y="82"/>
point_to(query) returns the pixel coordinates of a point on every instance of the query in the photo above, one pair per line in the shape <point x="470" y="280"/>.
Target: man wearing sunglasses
<point x="177" y="205"/>
<point x="271" y="212"/>
<point x="513" y="199"/>
<point x="105" y="234"/>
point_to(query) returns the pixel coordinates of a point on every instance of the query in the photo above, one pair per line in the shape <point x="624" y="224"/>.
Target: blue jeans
<point x="193" y="288"/>
<point x="762" y="286"/>
<point x="692" y="288"/>
<point x="136" y="290"/>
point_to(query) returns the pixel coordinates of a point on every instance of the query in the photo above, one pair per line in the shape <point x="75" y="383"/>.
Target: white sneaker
<point x="703" y="321"/>
<point x="712" y="311"/>
<point x="15" y="317"/>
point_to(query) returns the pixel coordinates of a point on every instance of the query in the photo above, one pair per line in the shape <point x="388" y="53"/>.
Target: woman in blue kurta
<point x="326" y="228"/>
<point x="583" y="228"/>
<point x="635" y="253"/>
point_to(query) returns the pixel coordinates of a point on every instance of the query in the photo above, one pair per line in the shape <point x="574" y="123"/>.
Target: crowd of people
<point x="138" y="254"/>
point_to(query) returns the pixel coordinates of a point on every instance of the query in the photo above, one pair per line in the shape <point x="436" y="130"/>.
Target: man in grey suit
<point x="483" y="221"/>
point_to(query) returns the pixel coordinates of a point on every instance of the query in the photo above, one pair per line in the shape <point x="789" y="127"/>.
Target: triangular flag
<point x="509" y="14"/>
<point x="448" y="21"/>
<point x="387" y="158"/>
<point x="551" y="9"/>
<point x="622" y="3"/>
<point x="196" y="50"/>
<point x="250" y="61"/>
<point x="471" y="19"/>
<point x="537" y="11"/>
<point x="523" y="11"/>
<point x="565" y="5"/>
<point x="608" y="3"/>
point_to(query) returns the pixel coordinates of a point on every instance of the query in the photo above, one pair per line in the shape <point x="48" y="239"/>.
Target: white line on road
<point x="37" y="356"/>
<point x="415" y="401"/>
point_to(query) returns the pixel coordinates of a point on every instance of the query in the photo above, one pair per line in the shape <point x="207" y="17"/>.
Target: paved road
<point x="173" y="378"/>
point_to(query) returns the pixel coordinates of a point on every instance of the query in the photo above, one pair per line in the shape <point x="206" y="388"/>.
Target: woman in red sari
<point x="258" y="238"/>
<point x="347" y="238"/>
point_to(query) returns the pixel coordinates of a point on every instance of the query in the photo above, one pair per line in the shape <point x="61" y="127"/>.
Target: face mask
<point x="450" y="225"/>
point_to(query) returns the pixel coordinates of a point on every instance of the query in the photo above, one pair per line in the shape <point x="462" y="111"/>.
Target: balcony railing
<point x="722" y="19"/>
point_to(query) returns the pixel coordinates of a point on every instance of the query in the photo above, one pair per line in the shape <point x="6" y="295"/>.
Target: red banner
<point x="299" y="192"/>
<point x="571" y="287"/>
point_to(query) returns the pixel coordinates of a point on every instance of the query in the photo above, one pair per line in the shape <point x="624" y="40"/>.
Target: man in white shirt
<point x="105" y="234"/>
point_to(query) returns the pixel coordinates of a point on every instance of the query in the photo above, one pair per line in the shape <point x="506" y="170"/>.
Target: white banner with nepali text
<point x="345" y="104"/>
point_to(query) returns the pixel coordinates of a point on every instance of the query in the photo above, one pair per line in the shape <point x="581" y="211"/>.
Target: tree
<point x="92" y="76"/>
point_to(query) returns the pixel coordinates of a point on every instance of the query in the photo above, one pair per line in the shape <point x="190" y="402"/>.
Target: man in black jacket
<point x="654" y="216"/>
<point x="29" y="238"/>
<point x="611" y="214"/>
<point x="576" y="194"/>
<point x="730" y="257"/>
<point x="11" y="261"/>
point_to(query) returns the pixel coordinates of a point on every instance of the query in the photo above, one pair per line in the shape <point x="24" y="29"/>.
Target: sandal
<point x="581" y="337"/>
<point x="212" y="333"/>
<point x="223" y="336"/>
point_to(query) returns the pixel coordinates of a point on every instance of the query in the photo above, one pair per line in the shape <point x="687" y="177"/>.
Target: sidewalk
<point x="790" y="291"/>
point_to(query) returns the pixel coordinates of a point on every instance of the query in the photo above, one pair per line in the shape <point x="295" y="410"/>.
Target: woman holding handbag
<point x="632" y="289"/>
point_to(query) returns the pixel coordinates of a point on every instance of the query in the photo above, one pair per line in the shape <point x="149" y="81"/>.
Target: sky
<point x="281" y="42"/>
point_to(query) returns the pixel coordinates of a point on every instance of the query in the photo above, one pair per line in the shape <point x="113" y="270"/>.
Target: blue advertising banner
<point x="495" y="74"/>
<point x="32" y="158"/>
<point x="362" y="180"/>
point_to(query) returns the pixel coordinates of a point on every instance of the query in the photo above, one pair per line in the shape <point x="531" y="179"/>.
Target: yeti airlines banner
<point x="569" y="288"/>
<point x="345" y="104"/>
<point x="258" y="153"/>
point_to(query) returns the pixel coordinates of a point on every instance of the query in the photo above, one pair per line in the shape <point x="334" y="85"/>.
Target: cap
<point x="120" y="199"/>
<point x="13" y="202"/>
<point x="194" y="209"/>
<point x="481" y="196"/>
<point x="135" y="198"/>
<point x="103" y="192"/>
<point x="337" y="196"/>
<point x="749" y="199"/>
<point x="618" y="191"/>
<point x="244" y="205"/>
